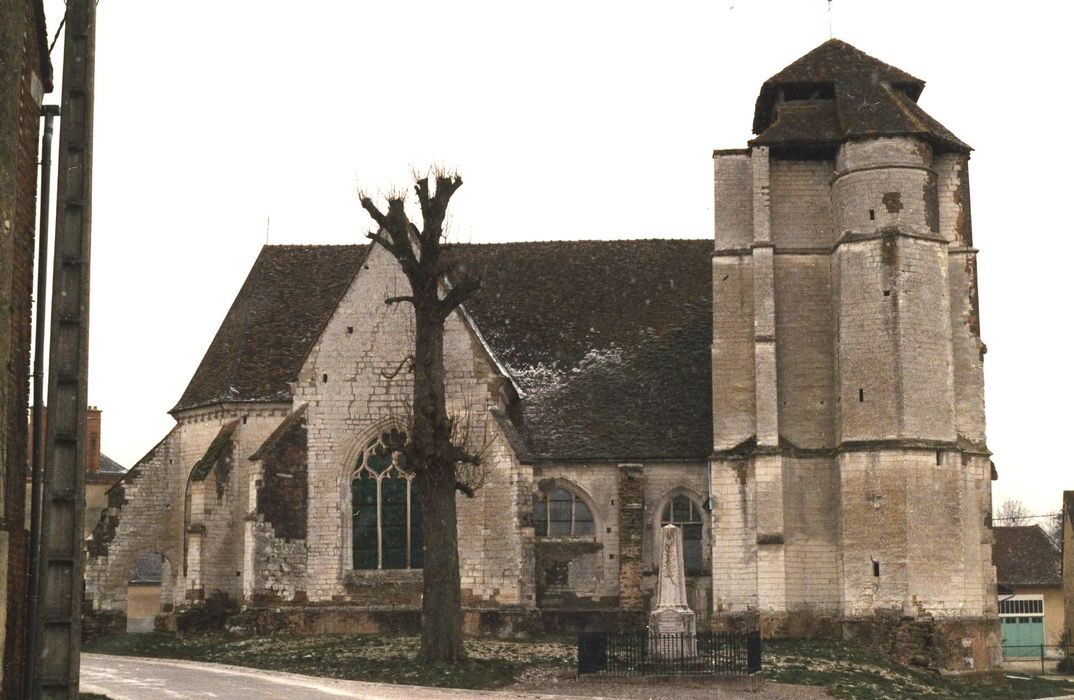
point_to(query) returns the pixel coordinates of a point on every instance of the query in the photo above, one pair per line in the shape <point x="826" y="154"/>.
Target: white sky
<point x="567" y="120"/>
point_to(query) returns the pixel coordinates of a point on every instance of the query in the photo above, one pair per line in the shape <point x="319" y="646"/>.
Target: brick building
<point x="803" y="396"/>
<point x="102" y="472"/>
<point x="25" y="77"/>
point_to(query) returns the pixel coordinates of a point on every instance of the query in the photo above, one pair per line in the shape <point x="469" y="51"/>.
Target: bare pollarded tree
<point x="433" y="445"/>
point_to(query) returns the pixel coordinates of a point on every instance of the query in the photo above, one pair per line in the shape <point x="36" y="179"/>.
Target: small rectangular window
<point x="876" y="568"/>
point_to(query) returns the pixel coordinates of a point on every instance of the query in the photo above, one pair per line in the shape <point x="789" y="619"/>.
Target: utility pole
<point x="59" y="623"/>
<point x="38" y="422"/>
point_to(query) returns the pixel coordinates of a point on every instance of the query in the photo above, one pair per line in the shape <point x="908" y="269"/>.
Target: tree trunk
<point x="441" y="629"/>
<point x="432" y="450"/>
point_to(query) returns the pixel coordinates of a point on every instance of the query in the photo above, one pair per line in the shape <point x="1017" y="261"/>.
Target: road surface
<point x="133" y="678"/>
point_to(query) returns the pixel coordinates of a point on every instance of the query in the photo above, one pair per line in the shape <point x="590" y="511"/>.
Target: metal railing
<point x="1039" y="659"/>
<point x="644" y="654"/>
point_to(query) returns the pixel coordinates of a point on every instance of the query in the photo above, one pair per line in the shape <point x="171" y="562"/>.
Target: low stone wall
<point x="501" y="622"/>
<point x="959" y="645"/>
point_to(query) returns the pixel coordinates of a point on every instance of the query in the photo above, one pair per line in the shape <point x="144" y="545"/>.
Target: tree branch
<point x="373" y="211"/>
<point x="459" y="292"/>
<point x="398" y="300"/>
<point x="398" y="369"/>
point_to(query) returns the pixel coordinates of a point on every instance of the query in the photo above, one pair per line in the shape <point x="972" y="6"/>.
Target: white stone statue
<point x="672" y="616"/>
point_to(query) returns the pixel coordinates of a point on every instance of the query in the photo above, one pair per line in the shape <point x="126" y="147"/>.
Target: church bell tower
<point x="850" y="474"/>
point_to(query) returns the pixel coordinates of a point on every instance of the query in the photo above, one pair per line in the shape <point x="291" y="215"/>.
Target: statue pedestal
<point x="673" y="633"/>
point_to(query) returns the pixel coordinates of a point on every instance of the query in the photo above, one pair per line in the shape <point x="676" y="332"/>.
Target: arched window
<point x="561" y="513"/>
<point x="684" y="514"/>
<point x="386" y="513"/>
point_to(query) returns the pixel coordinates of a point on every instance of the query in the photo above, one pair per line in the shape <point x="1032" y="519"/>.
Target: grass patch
<point x="361" y="657"/>
<point x="849" y="671"/>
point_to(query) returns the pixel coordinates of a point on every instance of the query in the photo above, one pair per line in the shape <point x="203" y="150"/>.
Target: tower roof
<point x="837" y="92"/>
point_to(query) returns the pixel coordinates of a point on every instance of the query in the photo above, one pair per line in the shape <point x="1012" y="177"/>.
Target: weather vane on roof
<point x="829" y="19"/>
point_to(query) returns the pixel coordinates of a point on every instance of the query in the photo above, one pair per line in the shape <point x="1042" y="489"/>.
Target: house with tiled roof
<point x="801" y="394"/>
<point x="1029" y="578"/>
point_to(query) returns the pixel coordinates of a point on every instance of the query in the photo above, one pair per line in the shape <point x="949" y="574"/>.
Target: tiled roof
<point x="111" y="466"/>
<point x="275" y="319"/>
<point x="608" y="340"/>
<point x="835" y="93"/>
<point x="1024" y="556"/>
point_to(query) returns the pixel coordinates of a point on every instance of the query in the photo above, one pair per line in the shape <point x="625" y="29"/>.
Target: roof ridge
<point x="587" y="240"/>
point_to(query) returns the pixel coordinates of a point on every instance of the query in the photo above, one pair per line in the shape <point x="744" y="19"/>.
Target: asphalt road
<point x="132" y="678"/>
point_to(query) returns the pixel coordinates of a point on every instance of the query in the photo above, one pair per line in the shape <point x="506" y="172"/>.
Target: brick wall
<point x="22" y="85"/>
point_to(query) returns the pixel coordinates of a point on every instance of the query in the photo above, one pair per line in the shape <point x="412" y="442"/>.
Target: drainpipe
<point x="37" y="479"/>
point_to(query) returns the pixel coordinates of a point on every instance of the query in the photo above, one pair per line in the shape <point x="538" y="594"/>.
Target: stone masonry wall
<point x="913" y="533"/>
<point x="353" y="387"/>
<point x="275" y="547"/>
<point x="811" y="525"/>
<point x="802" y="203"/>
<point x="226" y="504"/>
<point x="804" y="350"/>
<point x="734" y="197"/>
<point x="576" y="572"/>
<point x="146" y="512"/>
<point x="734" y="538"/>
<point x="876" y="338"/>
<point x="143" y="516"/>
<point x="967" y="348"/>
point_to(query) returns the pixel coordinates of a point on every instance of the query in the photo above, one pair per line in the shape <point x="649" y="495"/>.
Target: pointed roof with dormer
<point x="837" y="93"/>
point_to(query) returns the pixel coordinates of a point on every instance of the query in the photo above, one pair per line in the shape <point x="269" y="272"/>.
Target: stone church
<point x="802" y="396"/>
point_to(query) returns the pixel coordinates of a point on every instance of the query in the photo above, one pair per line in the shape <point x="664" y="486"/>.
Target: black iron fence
<point x="1039" y="659"/>
<point x="644" y="654"/>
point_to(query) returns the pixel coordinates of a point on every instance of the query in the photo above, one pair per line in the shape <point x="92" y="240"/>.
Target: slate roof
<point x="836" y="93"/>
<point x="608" y="340"/>
<point x="1024" y="556"/>
<point x="275" y="319"/>
<point x="111" y="466"/>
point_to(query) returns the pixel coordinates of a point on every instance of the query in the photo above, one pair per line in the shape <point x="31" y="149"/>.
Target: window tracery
<point x="562" y="513"/>
<point x="385" y="509"/>
<point x="683" y="513"/>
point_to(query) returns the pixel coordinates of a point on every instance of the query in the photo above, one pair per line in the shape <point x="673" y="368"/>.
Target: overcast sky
<point x="567" y="120"/>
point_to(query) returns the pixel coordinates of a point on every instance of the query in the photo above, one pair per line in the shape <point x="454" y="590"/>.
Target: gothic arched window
<point x="684" y="514"/>
<point x="561" y="513"/>
<point x="386" y="513"/>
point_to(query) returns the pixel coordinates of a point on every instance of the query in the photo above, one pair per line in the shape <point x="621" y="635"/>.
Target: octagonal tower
<point x="851" y="481"/>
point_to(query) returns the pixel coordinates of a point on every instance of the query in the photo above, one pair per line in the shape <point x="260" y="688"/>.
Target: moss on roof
<point x="609" y="340"/>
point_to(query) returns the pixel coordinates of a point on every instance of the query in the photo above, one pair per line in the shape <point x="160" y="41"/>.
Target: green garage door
<point x="1022" y="636"/>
